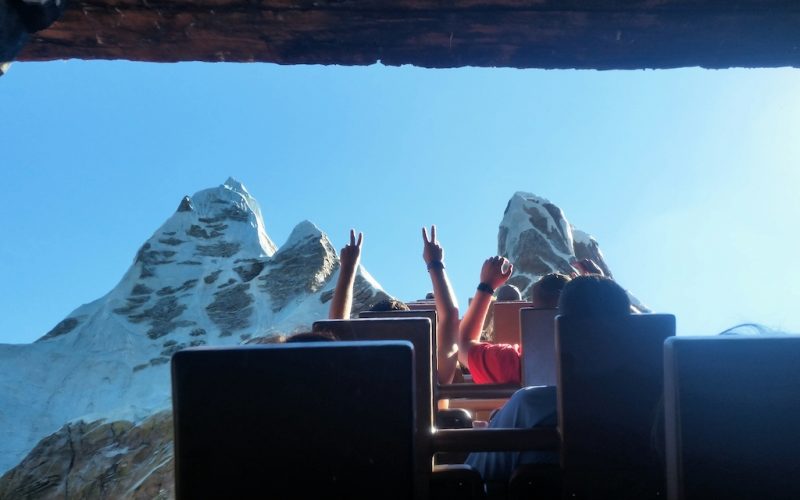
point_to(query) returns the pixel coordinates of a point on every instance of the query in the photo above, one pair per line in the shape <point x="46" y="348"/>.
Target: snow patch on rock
<point x="210" y="275"/>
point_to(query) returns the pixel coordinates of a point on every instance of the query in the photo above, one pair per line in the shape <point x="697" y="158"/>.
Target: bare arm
<point x="470" y="331"/>
<point x="349" y="257"/>
<point x="446" y="308"/>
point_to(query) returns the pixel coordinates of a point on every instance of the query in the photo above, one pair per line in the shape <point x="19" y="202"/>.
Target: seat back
<point x="732" y="406"/>
<point x="414" y="313"/>
<point x="422" y="305"/>
<point x="417" y="331"/>
<point x="419" y="313"/>
<point x="456" y="482"/>
<point x="506" y="321"/>
<point x="610" y="393"/>
<point x="291" y="421"/>
<point x="535" y="482"/>
<point x="538" y="346"/>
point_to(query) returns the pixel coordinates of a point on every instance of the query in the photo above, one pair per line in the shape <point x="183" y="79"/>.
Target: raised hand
<point x="492" y="272"/>
<point x="431" y="250"/>
<point x="495" y="272"/>
<point x="349" y="257"/>
<point x="446" y="308"/>
<point x="351" y="253"/>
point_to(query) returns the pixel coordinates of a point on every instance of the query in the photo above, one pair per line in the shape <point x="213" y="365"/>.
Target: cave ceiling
<point x="596" y="34"/>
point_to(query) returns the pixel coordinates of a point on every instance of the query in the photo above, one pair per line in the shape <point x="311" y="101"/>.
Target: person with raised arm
<point x="349" y="257"/>
<point x="488" y="363"/>
<point x="446" y="307"/>
<point x="500" y="363"/>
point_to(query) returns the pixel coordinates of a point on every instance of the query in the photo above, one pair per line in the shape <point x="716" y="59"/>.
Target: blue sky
<point x="687" y="178"/>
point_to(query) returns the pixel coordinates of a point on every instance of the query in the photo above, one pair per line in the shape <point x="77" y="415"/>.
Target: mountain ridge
<point x="210" y="275"/>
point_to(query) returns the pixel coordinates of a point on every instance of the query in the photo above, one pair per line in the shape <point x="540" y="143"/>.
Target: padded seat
<point x="535" y="482"/>
<point x="538" y="332"/>
<point x="456" y="482"/>
<point x="732" y="406"/>
<point x="506" y="321"/>
<point x="248" y="422"/>
<point x="417" y="331"/>
<point x="610" y="389"/>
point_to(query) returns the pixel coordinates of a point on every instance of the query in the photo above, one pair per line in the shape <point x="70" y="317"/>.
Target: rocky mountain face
<point x="85" y="410"/>
<point x="537" y="237"/>
<point x="98" y="460"/>
<point x="209" y="275"/>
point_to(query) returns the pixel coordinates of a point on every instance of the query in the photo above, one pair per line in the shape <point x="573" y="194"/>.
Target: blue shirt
<point x="528" y="407"/>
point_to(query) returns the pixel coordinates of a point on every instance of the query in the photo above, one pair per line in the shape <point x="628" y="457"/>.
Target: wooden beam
<point x="511" y="33"/>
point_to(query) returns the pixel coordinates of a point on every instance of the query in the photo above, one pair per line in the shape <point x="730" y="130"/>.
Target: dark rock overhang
<point x="613" y="34"/>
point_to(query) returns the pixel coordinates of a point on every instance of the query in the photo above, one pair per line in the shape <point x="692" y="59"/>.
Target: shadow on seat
<point x="416" y="330"/>
<point x="456" y="482"/>
<point x="248" y="423"/>
<point x="610" y="400"/>
<point x="452" y="418"/>
<point x="535" y="482"/>
<point x="732" y="407"/>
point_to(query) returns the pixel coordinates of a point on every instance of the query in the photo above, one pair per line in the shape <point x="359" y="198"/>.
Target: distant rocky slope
<point x="98" y="460"/>
<point x="537" y="237"/>
<point x="209" y="275"/>
<point x="84" y="411"/>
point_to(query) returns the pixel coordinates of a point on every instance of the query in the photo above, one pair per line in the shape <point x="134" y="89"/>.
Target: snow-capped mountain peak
<point x="536" y="236"/>
<point x="229" y="209"/>
<point x="210" y="275"/>
<point x="302" y="231"/>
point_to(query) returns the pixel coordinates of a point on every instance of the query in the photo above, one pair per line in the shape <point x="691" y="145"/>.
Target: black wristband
<point x="435" y="264"/>
<point x="484" y="287"/>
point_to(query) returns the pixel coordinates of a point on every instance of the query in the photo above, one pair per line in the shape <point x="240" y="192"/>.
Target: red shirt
<point x="494" y="363"/>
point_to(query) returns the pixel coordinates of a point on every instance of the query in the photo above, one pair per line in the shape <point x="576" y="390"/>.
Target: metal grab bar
<point x="476" y="391"/>
<point x="466" y="440"/>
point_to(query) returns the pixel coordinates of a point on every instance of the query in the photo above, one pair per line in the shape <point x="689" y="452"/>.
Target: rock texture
<point x="537" y="237"/>
<point x="18" y="18"/>
<point x="98" y="460"/>
<point x="84" y="411"/>
<point x="511" y="33"/>
<point x="304" y="264"/>
<point x="210" y="275"/>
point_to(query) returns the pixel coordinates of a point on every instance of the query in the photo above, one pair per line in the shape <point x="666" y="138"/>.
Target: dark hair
<point x="389" y="305"/>
<point x="547" y="290"/>
<point x="593" y="296"/>
<point x="749" y="329"/>
<point x="323" y="336"/>
<point x="508" y="293"/>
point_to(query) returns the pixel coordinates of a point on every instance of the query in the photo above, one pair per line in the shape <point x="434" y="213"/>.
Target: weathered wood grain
<point x="511" y="33"/>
